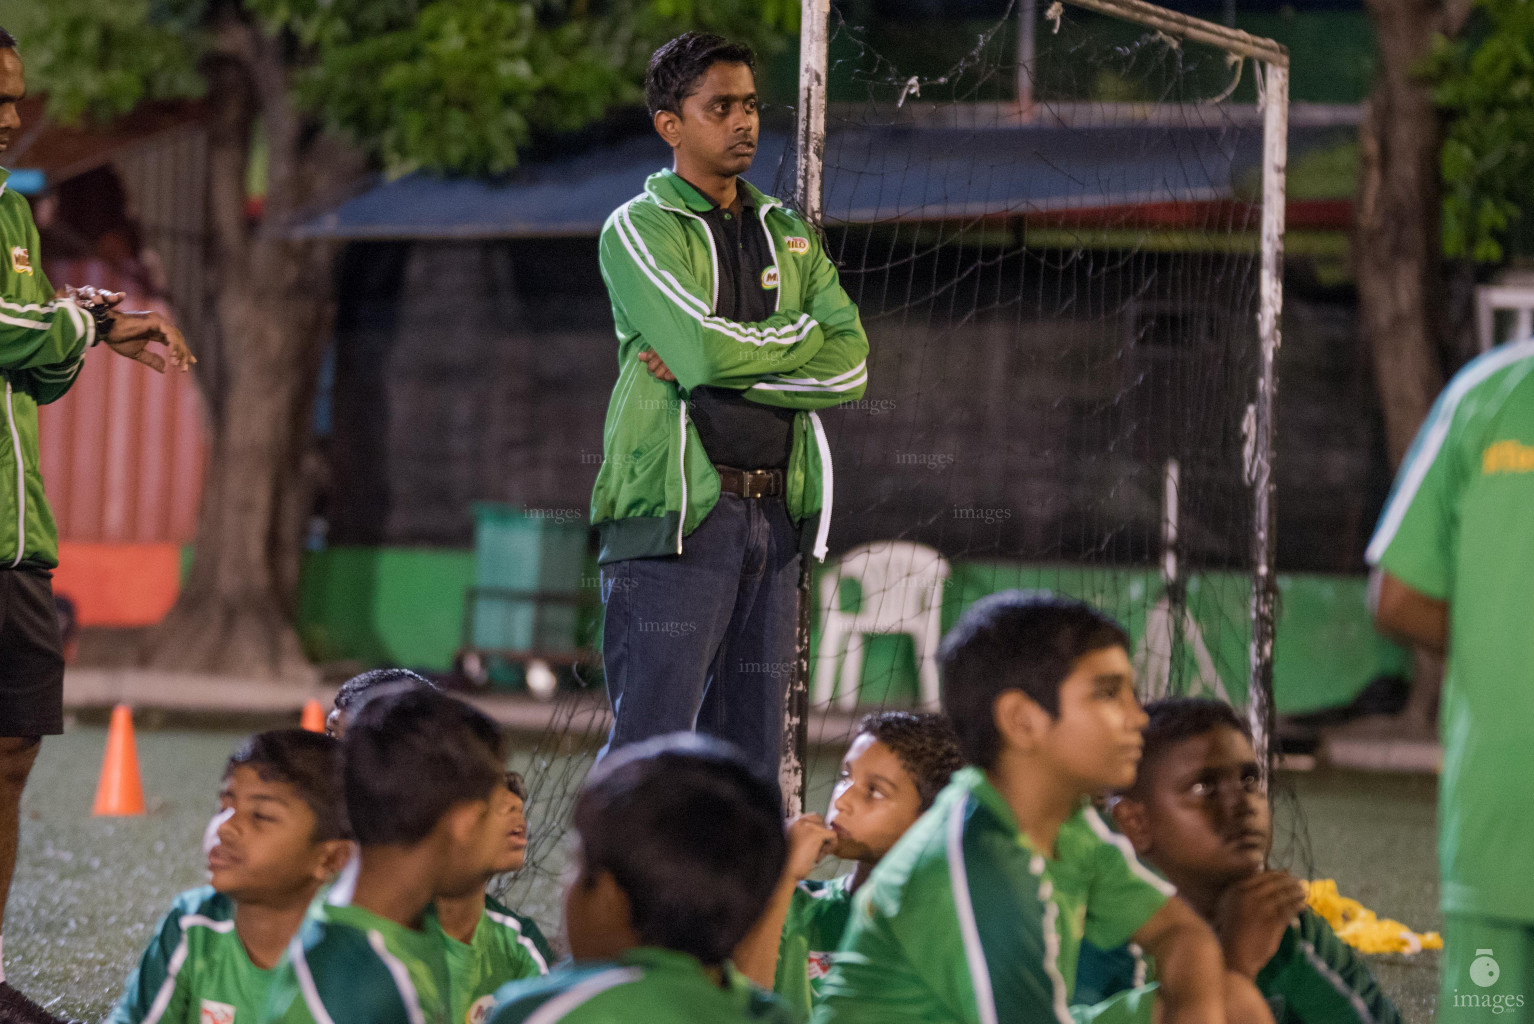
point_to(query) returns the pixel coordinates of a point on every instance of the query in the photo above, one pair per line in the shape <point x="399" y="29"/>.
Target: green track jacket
<point x="657" y="483"/>
<point x="42" y="346"/>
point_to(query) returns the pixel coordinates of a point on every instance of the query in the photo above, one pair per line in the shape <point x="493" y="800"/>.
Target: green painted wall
<point x="404" y="606"/>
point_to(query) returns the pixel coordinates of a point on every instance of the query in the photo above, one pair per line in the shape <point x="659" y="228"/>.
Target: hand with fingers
<point x="655" y="365"/>
<point x="130" y="333"/>
<point x="1252" y="917"/>
<point x="810" y="839"/>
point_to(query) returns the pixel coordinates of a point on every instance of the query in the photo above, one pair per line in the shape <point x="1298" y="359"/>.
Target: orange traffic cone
<point x="120" y="792"/>
<point x="314" y="717"/>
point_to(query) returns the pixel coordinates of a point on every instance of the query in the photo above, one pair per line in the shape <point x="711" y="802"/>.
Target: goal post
<point x="1261" y="330"/>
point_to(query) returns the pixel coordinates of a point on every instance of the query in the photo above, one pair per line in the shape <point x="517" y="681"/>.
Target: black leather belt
<point x="750" y="483"/>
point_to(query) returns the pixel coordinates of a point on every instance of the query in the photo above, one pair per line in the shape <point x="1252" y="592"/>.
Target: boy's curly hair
<point x="925" y="743"/>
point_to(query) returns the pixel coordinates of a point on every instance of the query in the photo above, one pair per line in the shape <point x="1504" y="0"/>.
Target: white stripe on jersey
<point x="1338" y="982"/>
<point x="522" y="939"/>
<point x="1121" y="842"/>
<point x="1052" y="951"/>
<point x="306" y="982"/>
<point x="974" y="952"/>
<point x="401" y="976"/>
<point x="177" y="960"/>
<point x="557" y="1008"/>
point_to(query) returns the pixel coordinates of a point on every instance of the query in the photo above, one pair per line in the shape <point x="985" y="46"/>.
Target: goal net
<point x="1062" y="226"/>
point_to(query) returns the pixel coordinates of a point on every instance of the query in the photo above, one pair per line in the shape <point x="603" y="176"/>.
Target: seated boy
<point x="488" y="945"/>
<point x="348" y="698"/>
<point x="278" y="838"/>
<point x="1198" y="813"/>
<point x="978" y="912"/>
<point x="356" y="689"/>
<point x="421" y="774"/>
<point x="894" y="769"/>
<point x="678" y="848"/>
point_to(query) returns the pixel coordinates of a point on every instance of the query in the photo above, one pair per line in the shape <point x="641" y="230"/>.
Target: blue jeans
<point x="705" y="640"/>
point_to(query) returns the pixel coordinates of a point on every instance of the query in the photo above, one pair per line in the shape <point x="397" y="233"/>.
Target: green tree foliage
<point x="442" y="85"/>
<point x="1484" y="81"/>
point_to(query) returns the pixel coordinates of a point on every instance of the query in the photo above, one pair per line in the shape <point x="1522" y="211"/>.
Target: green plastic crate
<point x="529" y="551"/>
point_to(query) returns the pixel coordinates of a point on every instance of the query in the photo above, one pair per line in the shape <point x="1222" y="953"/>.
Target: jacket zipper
<point x="681" y="456"/>
<point x="681" y="449"/>
<point x="823" y="528"/>
<point x="21" y="478"/>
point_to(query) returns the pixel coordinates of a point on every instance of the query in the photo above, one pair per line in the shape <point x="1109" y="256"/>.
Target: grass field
<point x="88" y="890"/>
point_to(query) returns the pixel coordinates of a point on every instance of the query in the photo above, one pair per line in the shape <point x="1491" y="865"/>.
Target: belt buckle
<point x="758" y="483"/>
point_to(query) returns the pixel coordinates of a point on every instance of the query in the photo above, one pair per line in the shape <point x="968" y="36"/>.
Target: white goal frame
<point x="1272" y="67"/>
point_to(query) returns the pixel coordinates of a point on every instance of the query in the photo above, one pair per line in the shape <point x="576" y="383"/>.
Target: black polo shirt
<point x="734" y="431"/>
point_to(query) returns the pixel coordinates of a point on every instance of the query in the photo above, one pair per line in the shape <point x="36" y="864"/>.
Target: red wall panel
<point x="122" y="454"/>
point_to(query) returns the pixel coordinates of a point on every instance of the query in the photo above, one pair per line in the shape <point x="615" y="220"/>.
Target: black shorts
<point x="31" y="656"/>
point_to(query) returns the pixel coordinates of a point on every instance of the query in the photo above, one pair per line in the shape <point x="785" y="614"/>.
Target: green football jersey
<point x="655" y="986"/>
<point x="531" y="939"/>
<point x="964" y="921"/>
<point x="195" y="969"/>
<point x="497" y="953"/>
<point x="817" y="917"/>
<point x="347" y="965"/>
<point x="1314" y="978"/>
<point x="1459" y="526"/>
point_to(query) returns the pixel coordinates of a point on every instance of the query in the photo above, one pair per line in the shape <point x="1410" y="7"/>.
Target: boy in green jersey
<point x="459" y="918"/>
<point x="894" y="769"/>
<point x="978" y="912"/>
<point x="1198" y="813"/>
<point x="421" y="774"/>
<point x="488" y="945"/>
<point x="678" y="847"/>
<point x="278" y="838"/>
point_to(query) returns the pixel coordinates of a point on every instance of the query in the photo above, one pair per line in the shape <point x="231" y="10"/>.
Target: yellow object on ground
<point x="1360" y="928"/>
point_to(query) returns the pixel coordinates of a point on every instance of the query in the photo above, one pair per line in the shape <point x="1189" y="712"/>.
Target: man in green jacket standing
<point x="733" y="328"/>
<point x="43" y="338"/>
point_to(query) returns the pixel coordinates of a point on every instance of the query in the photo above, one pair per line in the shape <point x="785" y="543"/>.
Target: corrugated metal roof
<point x="891" y="174"/>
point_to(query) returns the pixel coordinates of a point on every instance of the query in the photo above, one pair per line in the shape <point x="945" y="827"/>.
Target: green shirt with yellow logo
<point x="42" y="347"/>
<point x="1459" y="527"/>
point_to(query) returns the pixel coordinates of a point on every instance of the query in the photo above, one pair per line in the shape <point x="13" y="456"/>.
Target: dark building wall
<point x="1022" y="409"/>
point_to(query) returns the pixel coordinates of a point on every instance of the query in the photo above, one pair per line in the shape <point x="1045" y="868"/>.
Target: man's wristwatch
<point x="100" y="312"/>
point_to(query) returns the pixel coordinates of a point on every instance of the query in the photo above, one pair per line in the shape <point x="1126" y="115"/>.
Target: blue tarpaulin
<point x="872" y="175"/>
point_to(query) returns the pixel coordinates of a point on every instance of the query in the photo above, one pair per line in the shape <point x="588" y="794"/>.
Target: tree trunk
<point x="1397" y="253"/>
<point x="274" y="307"/>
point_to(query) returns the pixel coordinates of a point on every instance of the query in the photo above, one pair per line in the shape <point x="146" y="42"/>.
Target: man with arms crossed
<point x="733" y="328"/>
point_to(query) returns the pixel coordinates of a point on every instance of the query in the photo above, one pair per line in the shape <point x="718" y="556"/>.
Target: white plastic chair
<point x="901" y="591"/>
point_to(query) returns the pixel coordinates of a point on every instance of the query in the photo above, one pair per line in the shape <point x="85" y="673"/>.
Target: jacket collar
<point x="668" y="189"/>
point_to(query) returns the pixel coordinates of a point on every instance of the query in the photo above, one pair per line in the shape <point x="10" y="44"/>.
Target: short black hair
<point x="692" y="836"/>
<point x="410" y="753"/>
<point x="1015" y="640"/>
<point x="359" y="686"/>
<point x="925" y="744"/>
<point x="7" y="41"/>
<point x="1174" y="719"/>
<point x="676" y="67"/>
<point x="310" y="762"/>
